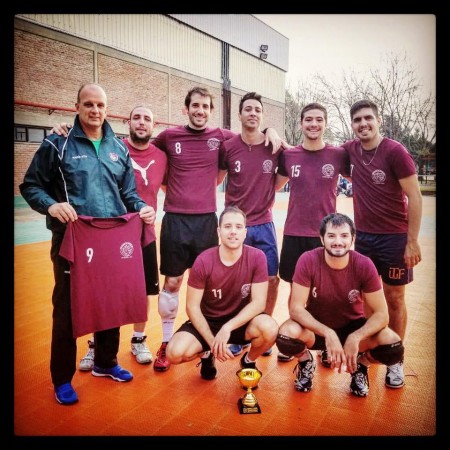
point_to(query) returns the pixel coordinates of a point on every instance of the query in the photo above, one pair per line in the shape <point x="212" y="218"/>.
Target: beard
<point x="140" y="140"/>
<point x="340" y="255"/>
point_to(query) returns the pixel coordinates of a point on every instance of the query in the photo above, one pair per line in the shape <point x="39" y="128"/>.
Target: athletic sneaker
<point x="161" y="363"/>
<point x="305" y="374"/>
<point x="87" y="362"/>
<point x="116" y="373"/>
<point x="236" y="349"/>
<point x="324" y="359"/>
<point x="65" y="394"/>
<point x="359" y="385"/>
<point x="248" y="365"/>
<point x="208" y="370"/>
<point x="140" y="350"/>
<point x="395" y="378"/>
<point x="284" y="358"/>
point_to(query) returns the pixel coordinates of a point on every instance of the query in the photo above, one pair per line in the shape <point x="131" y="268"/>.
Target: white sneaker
<point x="87" y="362"/>
<point x="395" y="378"/>
<point x="140" y="350"/>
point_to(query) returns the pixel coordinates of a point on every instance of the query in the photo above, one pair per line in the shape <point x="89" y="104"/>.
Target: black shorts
<point x="342" y="333"/>
<point x="237" y="336"/>
<point x="387" y="253"/>
<point x="183" y="238"/>
<point x="151" y="269"/>
<point x="292" y="248"/>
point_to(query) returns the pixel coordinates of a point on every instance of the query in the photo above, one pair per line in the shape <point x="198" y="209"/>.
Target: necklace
<point x="373" y="157"/>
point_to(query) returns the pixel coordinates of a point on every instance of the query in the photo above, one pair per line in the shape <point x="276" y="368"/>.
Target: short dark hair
<point x="250" y="96"/>
<point x="140" y="106"/>
<point x="360" y="104"/>
<point x="337" y="220"/>
<point x="232" y="209"/>
<point x="310" y="106"/>
<point x="201" y="91"/>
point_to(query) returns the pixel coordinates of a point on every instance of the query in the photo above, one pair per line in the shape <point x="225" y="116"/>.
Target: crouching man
<point x="338" y="305"/>
<point x="226" y="298"/>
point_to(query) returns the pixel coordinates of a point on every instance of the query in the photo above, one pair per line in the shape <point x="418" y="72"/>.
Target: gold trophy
<point x="249" y="378"/>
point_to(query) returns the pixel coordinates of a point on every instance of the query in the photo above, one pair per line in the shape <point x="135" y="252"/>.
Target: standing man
<point x="189" y="225"/>
<point x="388" y="209"/>
<point x="88" y="173"/>
<point x="149" y="164"/>
<point x="313" y="170"/>
<point x="225" y="302"/>
<point x="337" y="304"/>
<point x="251" y="186"/>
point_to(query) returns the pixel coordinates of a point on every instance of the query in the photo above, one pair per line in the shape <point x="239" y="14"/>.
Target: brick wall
<point x="23" y="154"/>
<point x="50" y="71"/>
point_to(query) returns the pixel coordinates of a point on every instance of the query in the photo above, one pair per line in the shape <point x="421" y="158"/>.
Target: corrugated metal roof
<point x="244" y="32"/>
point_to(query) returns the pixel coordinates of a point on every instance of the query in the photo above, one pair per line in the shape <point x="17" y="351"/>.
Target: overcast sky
<point x="333" y="43"/>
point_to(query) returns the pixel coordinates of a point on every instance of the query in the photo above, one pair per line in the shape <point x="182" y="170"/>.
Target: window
<point x="24" y="133"/>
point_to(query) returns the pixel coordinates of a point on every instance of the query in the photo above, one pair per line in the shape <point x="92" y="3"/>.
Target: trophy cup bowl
<point x="249" y="378"/>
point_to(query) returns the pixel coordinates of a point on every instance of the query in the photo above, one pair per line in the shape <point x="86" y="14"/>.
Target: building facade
<point x="150" y="59"/>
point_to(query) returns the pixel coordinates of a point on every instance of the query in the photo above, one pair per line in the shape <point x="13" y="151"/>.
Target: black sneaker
<point x="305" y="374"/>
<point x="246" y="365"/>
<point x="359" y="385"/>
<point x="208" y="369"/>
<point x="324" y="359"/>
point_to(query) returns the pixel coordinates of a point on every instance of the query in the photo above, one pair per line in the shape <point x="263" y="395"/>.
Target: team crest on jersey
<point x="378" y="177"/>
<point x="213" y="143"/>
<point x="267" y="166"/>
<point x="126" y="250"/>
<point x="113" y="156"/>
<point x="245" y="290"/>
<point x="353" y="296"/>
<point x="328" y="170"/>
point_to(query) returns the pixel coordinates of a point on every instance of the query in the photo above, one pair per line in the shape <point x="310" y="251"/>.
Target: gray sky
<point x="332" y="43"/>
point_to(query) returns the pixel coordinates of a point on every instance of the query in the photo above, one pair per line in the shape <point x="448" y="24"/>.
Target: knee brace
<point x="168" y="304"/>
<point x="388" y="354"/>
<point x="289" y="346"/>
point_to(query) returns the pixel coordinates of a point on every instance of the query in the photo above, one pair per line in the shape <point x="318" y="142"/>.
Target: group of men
<point x="337" y="303"/>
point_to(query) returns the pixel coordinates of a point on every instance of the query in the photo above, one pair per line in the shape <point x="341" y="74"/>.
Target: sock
<point x="138" y="334"/>
<point x="362" y="359"/>
<point x="167" y="326"/>
<point x="168" y="307"/>
<point x="206" y="354"/>
<point x="305" y="356"/>
<point x="247" y="359"/>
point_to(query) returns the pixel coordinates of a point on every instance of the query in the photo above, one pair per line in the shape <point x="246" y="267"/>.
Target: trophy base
<point x="244" y="409"/>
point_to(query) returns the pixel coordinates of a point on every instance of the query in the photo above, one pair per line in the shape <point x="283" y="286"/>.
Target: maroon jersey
<point x="193" y="166"/>
<point x="227" y="289"/>
<point x="335" y="296"/>
<point x="313" y="177"/>
<point x="379" y="203"/>
<point x="106" y="271"/>
<point x="149" y="170"/>
<point x="251" y="178"/>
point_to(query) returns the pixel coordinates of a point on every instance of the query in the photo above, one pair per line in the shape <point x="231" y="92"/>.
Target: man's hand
<point x="351" y="349"/>
<point x="148" y="215"/>
<point x="412" y="254"/>
<point x="277" y="143"/>
<point x="219" y="346"/>
<point x="61" y="129"/>
<point x="64" y="212"/>
<point x="272" y="138"/>
<point x="336" y="354"/>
